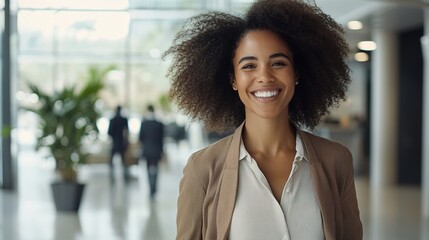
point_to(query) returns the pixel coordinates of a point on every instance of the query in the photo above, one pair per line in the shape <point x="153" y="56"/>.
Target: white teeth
<point x="266" y="94"/>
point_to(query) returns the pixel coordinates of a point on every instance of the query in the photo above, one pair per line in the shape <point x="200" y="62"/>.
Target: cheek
<point x="239" y="84"/>
<point x="242" y="96"/>
<point x="242" y="92"/>
<point x="242" y="78"/>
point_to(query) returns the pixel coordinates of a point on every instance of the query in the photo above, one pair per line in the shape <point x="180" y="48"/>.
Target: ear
<point x="296" y="74"/>
<point x="232" y="81"/>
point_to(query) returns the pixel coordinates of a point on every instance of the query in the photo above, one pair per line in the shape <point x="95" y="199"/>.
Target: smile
<point x="266" y="94"/>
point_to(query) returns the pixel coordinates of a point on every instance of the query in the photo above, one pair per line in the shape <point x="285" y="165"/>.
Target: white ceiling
<point x="396" y="15"/>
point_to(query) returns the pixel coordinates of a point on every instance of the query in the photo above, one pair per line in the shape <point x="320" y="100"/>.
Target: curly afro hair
<point x="202" y="65"/>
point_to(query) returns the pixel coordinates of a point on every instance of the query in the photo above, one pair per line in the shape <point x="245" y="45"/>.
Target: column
<point x="425" y="122"/>
<point x="8" y="176"/>
<point x="384" y="95"/>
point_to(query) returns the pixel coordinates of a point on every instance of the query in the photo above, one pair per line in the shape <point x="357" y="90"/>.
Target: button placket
<point x="258" y="173"/>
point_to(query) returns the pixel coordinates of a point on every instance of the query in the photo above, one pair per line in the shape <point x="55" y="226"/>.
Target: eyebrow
<point x="275" y="55"/>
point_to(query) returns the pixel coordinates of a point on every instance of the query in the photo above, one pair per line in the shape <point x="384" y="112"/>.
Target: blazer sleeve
<point x="189" y="218"/>
<point x="351" y="219"/>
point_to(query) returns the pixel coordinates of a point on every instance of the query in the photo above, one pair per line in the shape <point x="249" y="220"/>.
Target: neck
<point x="269" y="136"/>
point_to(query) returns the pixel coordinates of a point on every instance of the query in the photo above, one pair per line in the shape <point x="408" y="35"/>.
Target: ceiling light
<point x="361" y="57"/>
<point x="367" y="45"/>
<point x="354" y="25"/>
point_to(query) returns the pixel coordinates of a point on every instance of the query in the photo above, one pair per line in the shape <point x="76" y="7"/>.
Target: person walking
<point x="118" y="131"/>
<point x="151" y="137"/>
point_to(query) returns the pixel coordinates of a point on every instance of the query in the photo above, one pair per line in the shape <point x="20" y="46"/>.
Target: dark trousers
<point x="152" y="172"/>
<point x="121" y="152"/>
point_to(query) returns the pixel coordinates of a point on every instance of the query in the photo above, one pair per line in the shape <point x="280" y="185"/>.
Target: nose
<point x="265" y="75"/>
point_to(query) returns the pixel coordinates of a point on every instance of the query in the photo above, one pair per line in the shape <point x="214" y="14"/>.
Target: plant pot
<point x="67" y="195"/>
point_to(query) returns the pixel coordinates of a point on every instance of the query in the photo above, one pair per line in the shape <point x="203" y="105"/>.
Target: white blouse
<point x="257" y="214"/>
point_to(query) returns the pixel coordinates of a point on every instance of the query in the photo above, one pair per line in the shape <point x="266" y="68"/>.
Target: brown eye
<point x="278" y="64"/>
<point x="248" y="66"/>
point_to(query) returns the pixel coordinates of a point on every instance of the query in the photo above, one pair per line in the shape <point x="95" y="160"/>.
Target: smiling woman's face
<point x="264" y="74"/>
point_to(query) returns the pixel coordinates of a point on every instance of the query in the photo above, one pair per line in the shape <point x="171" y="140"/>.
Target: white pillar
<point x="384" y="96"/>
<point x="425" y="127"/>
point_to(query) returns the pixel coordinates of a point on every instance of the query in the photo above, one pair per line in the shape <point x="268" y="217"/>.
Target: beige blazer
<point x="209" y="186"/>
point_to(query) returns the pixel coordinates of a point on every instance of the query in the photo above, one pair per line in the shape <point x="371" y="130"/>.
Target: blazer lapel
<point x="228" y="186"/>
<point x="321" y="187"/>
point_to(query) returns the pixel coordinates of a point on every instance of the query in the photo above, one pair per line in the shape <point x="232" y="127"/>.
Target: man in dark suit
<point x="118" y="130"/>
<point x="152" y="138"/>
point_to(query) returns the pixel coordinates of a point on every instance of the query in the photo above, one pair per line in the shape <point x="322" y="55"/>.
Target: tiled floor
<point x="116" y="211"/>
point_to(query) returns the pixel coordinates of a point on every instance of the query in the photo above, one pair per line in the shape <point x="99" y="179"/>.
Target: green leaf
<point x="67" y="116"/>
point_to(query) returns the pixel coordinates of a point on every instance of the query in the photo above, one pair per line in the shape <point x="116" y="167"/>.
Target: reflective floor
<point x="120" y="210"/>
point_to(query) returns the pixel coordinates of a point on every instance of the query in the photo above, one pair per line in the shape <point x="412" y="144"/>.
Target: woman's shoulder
<point x="327" y="150"/>
<point x="212" y="156"/>
<point x="335" y="158"/>
<point x="320" y="142"/>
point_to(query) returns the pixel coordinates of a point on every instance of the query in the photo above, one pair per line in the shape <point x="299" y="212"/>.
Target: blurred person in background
<point x="151" y="137"/>
<point x="278" y="68"/>
<point x="118" y="131"/>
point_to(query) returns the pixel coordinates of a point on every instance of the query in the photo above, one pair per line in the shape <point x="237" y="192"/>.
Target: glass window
<point x="150" y="38"/>
<point x="179" y="4"/>
<point x="116" y="91"/>
<point x="70" y="73"/>
<point x="240" y="5"/>
<point x="36" y="31"/>
<point x="60" y="39"/>
<point x="37" y="72"/>
<point x="147" y="85"/>
<point x="99" y="33"/>
<point x="74" y="4"/>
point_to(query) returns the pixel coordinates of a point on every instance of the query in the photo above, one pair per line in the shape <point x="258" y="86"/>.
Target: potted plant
<point x="66" y="117"/>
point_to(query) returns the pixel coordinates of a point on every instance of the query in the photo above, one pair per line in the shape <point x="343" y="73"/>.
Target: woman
<point x="280" y="67"/>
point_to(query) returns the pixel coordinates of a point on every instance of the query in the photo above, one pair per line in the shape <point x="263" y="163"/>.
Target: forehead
<point x="258" y="42"/>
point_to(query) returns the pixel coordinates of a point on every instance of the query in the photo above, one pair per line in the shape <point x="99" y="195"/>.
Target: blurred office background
<point x="53" y="43"/>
